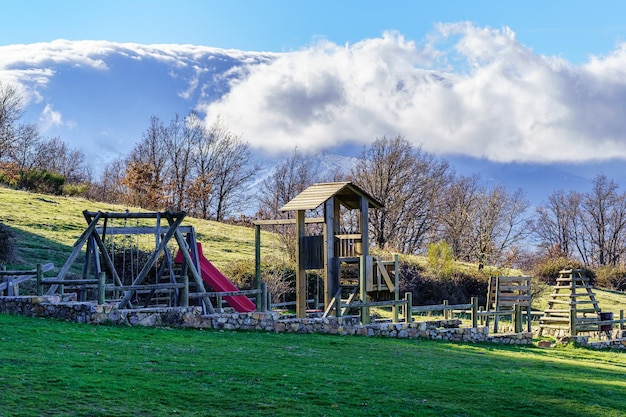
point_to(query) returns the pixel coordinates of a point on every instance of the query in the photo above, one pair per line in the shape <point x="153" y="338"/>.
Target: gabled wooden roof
<point x="347" y="193"/>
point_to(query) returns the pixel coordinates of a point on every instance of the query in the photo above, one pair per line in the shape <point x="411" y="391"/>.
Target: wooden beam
<point x="278" y="222"/>
<point x="301" y="272"/>
<point x="152" y="260"/>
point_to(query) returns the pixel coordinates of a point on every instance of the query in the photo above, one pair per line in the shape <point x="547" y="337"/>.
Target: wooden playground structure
<point x="158" y="276"/>
<point x="325" y="243"/>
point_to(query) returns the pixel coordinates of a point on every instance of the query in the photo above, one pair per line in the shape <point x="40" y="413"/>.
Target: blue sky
<point x="509" y="82"/>
<point x="571" y="29"/>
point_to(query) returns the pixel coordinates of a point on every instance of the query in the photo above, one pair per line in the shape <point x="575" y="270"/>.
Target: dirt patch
<point x="7" y="245"/>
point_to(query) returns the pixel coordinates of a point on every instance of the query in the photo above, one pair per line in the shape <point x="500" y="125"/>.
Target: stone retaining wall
<point x="87" y="312"/>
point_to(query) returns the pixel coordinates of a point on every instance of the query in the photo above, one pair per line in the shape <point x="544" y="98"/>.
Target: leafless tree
<point x="111" y="187"/>
<point x="11" y="111"/>
<point x="456" y="214"/>
<point x="54" y="155"/>
<point x="181" y="138"/>
<point x="499" y="222"/>
<point x="146" y="168"/>
<point x="26" y="146"/>
<point x="408" y="182"/>
<point x="555" y="220"/>
<point x="288" y="179"/>
<point x="603" y="220"/>
<point x="233" y="171"/>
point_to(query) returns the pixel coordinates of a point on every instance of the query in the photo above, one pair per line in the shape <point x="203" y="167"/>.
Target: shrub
<point x="611" y="277"/>
<point x="45" y="182"/>
<point x="440" y="259"/>
<point x="75" y="190"/>
<point x="279" y="276"/>
<point x="547" y="270"/>
<point x="428" y="289"/>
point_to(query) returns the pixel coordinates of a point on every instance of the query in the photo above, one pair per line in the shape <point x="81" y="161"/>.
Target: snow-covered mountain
<point x="327" y="99"/>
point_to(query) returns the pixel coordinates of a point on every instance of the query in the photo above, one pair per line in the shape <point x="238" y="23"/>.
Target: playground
<point x="149" y="268"/>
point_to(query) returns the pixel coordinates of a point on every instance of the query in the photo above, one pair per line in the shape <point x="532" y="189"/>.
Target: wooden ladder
<point x="573" y="306"/>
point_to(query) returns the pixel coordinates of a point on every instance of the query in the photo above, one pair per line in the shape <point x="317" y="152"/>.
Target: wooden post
<point x="257" y="267"/>
<point x="518" y="317"/>
<point x="101" y="285"/>
<point x="622" y="326"/>
<point x="484" y="319"/>
<point x="446" y="312"/>
<point x="396" y="290"/>
<point x="39" y="280"/>
<point x="9" y="280"/>
<point x="408" y="308"/>
<point x="497" y="305"/>
<point x="300" y="273"/>
<point x="572" y="309"/>
<point x="184" y="302"/>
<point x="474" y="312"/>
<point x="338" y="307"/>
<point x="366" y="266"/>
<point x="264" y="301"/>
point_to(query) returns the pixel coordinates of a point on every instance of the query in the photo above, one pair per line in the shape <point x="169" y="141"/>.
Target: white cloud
<point x="50" y="118"/>
<point x="469" y="90"/>
<point x="463" y="90"/>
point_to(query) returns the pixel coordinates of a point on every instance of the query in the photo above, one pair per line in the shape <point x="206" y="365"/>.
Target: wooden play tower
<point x="573" y="306"/>
<point x="335" y="251"/>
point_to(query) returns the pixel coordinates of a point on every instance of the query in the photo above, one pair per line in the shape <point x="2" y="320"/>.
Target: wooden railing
<point x="10" y="280"/>
<point x="348" y="245"/>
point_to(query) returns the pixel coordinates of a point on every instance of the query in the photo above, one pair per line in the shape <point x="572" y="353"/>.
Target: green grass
<point x="53" y="368"/>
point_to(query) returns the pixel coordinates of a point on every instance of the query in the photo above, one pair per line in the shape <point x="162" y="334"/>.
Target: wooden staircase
<point x="573" y="306"/>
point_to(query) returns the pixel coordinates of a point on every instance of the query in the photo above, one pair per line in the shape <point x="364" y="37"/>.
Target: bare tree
<point x="111" y="188"/>
<point x="26" y="146"/>
<point x="555" y="221"/>
<point x="54" y="155"/>
<point x="288" y="179"/>
<point x="146" y="167"/>
<point x="233" y="170"/>
<point x="499" y="222"/>
<point x="456" y="214"/>
<point x="181" y="138"/>
<point x="11" y="111"/>
<point x="603" y="219"/>
<point x="407" y="181"/>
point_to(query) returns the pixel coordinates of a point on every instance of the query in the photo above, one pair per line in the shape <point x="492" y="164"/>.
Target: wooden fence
<point x="99" y="285"/>
<point x="10" y="280"/>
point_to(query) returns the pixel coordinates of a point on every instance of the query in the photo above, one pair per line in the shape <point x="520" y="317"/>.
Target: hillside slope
<point x="46" y="227"/>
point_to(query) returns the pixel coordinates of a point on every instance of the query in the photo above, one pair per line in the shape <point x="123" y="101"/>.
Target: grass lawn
<point x="53" y="368"/>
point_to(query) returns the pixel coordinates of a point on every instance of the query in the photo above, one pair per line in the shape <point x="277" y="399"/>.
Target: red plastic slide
<point x="218" y="282"/>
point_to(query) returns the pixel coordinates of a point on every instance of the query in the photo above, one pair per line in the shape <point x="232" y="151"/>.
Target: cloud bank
<point x="463" y="90"/>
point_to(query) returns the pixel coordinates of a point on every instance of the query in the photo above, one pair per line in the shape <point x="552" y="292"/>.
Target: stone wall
<point x="86" y="312"/>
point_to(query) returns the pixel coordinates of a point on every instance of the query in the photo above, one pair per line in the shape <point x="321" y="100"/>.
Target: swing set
<point x="150" y="260"/>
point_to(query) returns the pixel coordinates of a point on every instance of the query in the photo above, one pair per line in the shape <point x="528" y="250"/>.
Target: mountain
<point x="99" y="96"/>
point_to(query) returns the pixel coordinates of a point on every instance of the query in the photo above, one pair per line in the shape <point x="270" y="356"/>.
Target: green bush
<point x="440" y="259"/>
<point x="429" y="289"/>
<point x="75" y="190"/>
<point x="611" y="277"/>
<point x="547" y="270"/>
<point x="45" y="182"/>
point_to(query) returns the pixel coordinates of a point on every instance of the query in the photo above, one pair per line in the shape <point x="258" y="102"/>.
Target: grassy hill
<point x="46" y="227"/>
